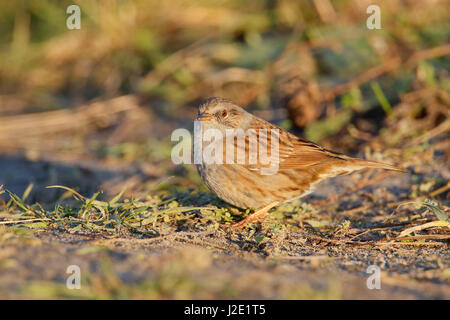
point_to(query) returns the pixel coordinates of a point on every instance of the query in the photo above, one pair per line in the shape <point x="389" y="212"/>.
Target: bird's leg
<point x="255" y="216"/>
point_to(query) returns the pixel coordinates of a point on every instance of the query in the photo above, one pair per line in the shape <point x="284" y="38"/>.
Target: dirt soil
<point x="297" y="259"/>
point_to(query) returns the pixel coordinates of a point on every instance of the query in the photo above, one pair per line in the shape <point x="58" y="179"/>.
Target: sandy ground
<point x="298" y="261"/>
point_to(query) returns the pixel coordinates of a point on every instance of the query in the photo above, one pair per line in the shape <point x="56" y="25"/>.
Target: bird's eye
<point x="224" y="113"/>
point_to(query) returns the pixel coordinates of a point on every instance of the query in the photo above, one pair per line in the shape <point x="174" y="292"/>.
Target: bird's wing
<point x="295" y="152"/>
<point x="300" y="152"/>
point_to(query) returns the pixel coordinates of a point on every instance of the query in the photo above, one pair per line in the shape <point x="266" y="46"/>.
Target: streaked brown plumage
<point x="301" y="163"/>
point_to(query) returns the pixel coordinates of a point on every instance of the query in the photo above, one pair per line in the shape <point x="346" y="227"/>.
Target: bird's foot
<point x="256" y="216"/>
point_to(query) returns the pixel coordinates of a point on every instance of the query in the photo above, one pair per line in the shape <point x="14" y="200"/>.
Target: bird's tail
<point x="358" y="164"/>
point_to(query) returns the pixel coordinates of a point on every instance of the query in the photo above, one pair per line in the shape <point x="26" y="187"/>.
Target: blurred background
<point x="94" y="108"/>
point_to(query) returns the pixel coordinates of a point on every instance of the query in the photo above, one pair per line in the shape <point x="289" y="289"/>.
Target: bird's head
<point x="222" y="114"/>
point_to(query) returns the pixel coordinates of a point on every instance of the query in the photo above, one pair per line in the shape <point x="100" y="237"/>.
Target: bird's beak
<point x="204" y="117"/>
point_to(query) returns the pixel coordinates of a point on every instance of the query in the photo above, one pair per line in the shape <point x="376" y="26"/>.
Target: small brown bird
<point x="300" y="163"/>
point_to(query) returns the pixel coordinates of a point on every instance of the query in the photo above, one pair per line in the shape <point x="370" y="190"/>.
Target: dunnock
<point x="300" y="163"/>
